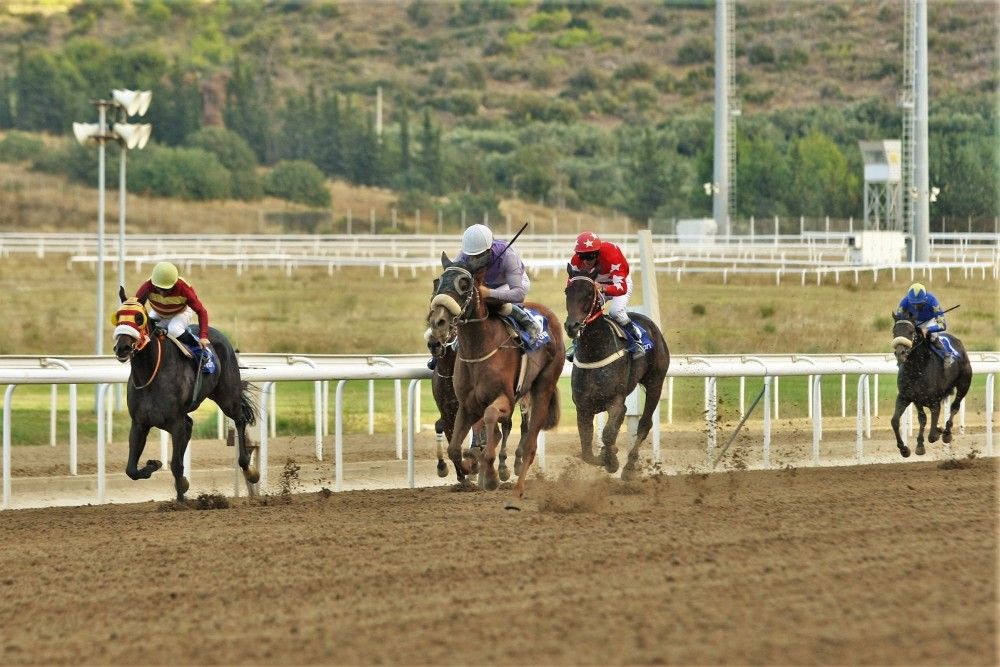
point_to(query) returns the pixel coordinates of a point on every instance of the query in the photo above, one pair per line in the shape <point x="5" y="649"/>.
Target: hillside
<point x="546" y="101"/>
<point x="476" y="59"/>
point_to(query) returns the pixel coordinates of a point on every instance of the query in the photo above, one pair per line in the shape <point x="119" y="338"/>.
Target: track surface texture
<point x="876" y="564"/>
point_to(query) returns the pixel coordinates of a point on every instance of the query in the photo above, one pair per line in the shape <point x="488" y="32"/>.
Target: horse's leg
<point x="585" y="429"/>
<point x="538" y="414"/>
<point x="181" y="434"/>
<point x="922" y="420"/>
<point x="500" y="408"/>
<point x="901" y="404"/>
<point x="645" y="425"/>
<point x="506" y="424"/>
<point x="609" y="450"/>
<point x="460" y="429"/>
<point x="136" y="443"/>
<point x="961" y="389"/>
<point x="250" y="472"/>
<point x="519" y="452"/>
<point x="439" y="436"/>
<point x="934" y="433"/>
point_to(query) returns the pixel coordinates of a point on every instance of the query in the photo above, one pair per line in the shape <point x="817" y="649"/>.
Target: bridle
<point x="596" y="304"/>
<point x="470" y="304"/>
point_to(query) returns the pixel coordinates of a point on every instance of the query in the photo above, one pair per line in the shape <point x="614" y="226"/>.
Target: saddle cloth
<point x="647" y="342"/>
<point x="523" y="337"/>
<point x="195" y="351"/>
<point x="948" y="345"/>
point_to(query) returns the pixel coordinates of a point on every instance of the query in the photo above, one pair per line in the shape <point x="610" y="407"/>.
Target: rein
<point x="596" y="310"/>
<point x="156" y="369"/>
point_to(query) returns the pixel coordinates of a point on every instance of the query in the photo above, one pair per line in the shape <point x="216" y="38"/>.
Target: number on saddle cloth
<point x="524" y="337"/>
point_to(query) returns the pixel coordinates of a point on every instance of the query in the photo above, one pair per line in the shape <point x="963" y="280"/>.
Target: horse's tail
<point x="249" y="410"/>
<point x="553" y="419"/>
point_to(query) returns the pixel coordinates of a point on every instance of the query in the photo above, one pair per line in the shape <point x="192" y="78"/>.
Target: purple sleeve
<point x="513" y="290"/>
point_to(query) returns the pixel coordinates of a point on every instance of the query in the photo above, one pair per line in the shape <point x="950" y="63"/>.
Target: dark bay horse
<point x="491" y="373"/>
<point x="161" y="392"/>
<point x="604" y="372"/>
<point x="923" y="381"/>
<point x="447" y="403"/>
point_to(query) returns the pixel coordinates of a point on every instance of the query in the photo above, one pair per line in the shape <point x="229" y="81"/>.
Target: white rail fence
<point x="267" y="370"/>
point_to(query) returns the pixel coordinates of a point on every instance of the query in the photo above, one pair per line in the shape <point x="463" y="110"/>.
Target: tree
<point x="822" y="183"/>
<point x="177" y="107"/>
<point x="429" y="162"/>
<point x="246" y="112"/>
<point x="763" y="177"/>
<point x="44" y="89"/>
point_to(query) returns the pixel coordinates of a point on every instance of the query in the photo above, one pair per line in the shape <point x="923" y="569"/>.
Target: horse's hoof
<point x="919" y="451"/>
<point x="182" y="488"/>
<point x="490" y="483"/>
<point x="504" y="473"/>
<point x="442" y="469"/>
<point x="152" y="465"/>
<point x="946" y="437"/>
<point x="251" y="475"/>
<point x="512" y="505"/>
<point x="904" y="452"/>
<point x="611" y="464"/>
<point x="931" y="438"/>
<point x="628" y="473"/>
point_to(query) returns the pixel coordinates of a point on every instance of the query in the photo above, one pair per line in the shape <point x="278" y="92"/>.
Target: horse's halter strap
<point x="156" y="369"/>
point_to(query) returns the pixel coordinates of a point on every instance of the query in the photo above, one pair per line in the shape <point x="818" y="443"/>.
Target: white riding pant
<point x="176" y="324"/>
<point x="619" y="304"/>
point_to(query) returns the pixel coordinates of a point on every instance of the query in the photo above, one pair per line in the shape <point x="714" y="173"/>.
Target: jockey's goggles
<point x="587" y="256"/>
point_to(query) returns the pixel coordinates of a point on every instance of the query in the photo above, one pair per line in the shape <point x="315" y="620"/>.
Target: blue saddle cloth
<point x="210" y="366"/>
<point x="948" y="345"/>
<point x="525" y="338"/>
<point x="646" y="341"/>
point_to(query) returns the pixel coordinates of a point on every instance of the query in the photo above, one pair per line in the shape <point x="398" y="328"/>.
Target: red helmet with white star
<point x="588" y="242"/>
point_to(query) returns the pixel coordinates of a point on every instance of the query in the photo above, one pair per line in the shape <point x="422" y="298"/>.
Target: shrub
<point x="298" y="181"/>
<point x="698" y="309"/>
<point x="232" y="150"/>
<point x="20" y="147"/>
<point x="760" y="54"/>
<point x="187" y="173"/>
<point x="246" y="185"/>
<point x="694" y="51"/>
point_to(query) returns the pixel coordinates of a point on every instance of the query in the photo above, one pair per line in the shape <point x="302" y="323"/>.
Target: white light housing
<point x="133" y="136"/>
<point x="86" y="133"/>
<point x="135" y="102"/>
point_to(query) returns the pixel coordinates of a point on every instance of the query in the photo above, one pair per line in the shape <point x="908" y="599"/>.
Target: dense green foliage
<point x="511" y="97"/>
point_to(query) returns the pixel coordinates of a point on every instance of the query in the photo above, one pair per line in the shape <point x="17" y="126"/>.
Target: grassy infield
<point x="48" y="309"/>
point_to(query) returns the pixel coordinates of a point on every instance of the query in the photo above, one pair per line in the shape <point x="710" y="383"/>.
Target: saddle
<point x="523" y="337"/>
<point x="194" y="352"/>
<point x="645" y="341"/>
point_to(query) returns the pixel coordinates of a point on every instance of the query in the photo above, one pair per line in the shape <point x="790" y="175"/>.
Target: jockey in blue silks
<point x="924" y="309"/>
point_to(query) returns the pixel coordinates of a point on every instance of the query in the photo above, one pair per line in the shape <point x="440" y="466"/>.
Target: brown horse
<point x="492" y="374"/>
<point x="604" y="373"/>
<point x="447" y="404"/>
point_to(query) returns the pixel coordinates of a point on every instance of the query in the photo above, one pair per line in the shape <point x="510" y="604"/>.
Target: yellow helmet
<point x="917" y="293"/>
<point x="164" y="275"/>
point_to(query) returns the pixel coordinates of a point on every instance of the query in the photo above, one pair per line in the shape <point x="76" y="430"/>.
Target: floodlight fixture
<point x="133" y="135"/>
<point x="134" y="102"/>
<point x="86" y="133"/>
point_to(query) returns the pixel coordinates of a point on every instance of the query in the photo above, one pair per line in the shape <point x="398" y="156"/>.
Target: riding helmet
<point x="476" y="239"/>
<point x="164" y="275"/>
<point x="588" y="242"/>
<point x="917" y="293"/>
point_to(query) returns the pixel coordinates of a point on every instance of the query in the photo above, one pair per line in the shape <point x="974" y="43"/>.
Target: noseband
<point x="596" y="304"/>
<point x="471" y="298"/>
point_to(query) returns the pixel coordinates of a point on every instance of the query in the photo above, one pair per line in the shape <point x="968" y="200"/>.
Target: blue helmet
<point x="917" y="293"/>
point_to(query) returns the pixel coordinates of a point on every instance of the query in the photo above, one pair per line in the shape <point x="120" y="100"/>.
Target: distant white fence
<point x="267" y="370"/>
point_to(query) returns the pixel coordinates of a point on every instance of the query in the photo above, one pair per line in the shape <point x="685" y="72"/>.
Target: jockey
<point x="923" y="308"/>
<point x="613" y="280"/>
<point x="172" y="302"/>
<point x="505" y="281"/>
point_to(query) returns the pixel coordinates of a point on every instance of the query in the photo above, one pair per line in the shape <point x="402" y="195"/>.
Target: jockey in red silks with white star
<point x="613" y="280"/>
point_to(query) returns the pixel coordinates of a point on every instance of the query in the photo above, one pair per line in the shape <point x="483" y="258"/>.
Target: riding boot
<point x="188" y="339"/>
<point x="632" y="331"/>
<point x="946" y="355"/>
<point x="521" y="316"/>
<point x="433" y="346"/>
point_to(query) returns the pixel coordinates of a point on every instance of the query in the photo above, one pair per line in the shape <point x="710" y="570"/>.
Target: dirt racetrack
<point x="875" y="564"/>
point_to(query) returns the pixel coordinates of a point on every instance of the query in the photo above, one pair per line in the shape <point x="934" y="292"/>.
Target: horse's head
<point x="455" y="297"/>
<point x="583" y="299"/>
<point x="904" y="336"/>
<point x="131" y="327"/>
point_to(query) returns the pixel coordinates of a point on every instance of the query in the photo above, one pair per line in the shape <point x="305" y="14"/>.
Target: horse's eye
<point x="463" y="285"/>
<point x="140" y="319"/>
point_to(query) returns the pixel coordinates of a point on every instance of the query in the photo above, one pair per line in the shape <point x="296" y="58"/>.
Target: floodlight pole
<point x="102" y="121"/>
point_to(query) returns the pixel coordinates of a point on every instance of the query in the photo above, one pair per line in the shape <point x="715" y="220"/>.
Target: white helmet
<point x="476" y="239"/>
